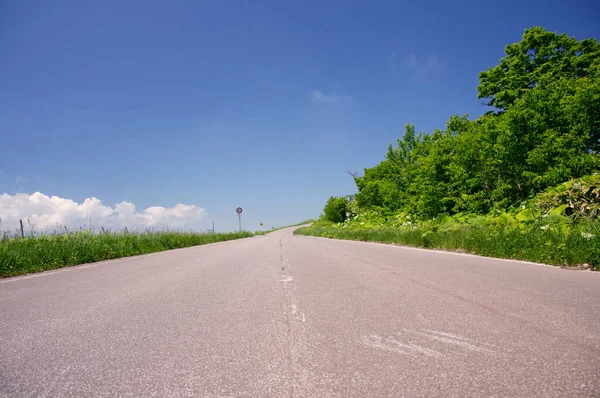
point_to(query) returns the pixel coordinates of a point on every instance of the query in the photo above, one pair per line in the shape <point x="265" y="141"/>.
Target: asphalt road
<point x="283" y="315"/>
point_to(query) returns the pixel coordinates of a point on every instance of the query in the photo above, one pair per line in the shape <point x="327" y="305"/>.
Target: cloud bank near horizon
<point x="45" y="211"/>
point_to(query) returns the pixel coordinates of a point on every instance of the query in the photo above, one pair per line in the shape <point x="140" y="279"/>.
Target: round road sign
<point x="238" y="210"/>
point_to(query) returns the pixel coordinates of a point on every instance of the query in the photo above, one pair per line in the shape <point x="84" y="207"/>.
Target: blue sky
<point x="222" y="104"/>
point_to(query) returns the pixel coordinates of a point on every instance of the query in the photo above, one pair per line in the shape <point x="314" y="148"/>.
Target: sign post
<point x="239" y="213"/>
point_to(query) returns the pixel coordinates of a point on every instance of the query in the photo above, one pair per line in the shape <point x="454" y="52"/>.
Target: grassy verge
<point x="23" y="256"/>
<point x="574" y="247"/>
<point x="309" y="221"/>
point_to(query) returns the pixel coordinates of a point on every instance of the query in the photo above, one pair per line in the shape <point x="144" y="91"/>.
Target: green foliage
<point x="518" y="182"/>
<point x="578" y="198"/>
<point x="335" y="209"/>
<point x="539" y="58"/>
<point x="559" y="226"/>
<point x="21" y="256"/>
<point x="548" y="132"/>
<point x="551" y="240"/>
<point x="309" y="221"/>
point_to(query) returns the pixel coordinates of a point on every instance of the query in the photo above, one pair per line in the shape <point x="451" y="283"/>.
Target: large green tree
<point x="539" y="58"/>
<point x="547" y="131"/>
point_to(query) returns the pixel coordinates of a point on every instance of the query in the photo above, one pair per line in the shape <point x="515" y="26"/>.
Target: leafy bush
<point x="538" y="230"/>
<point x="502" y="236"/>
<point x="576" y="198"/>
<point x="335" y="209"/>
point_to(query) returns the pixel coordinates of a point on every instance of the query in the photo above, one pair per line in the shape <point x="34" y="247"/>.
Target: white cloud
<point x="419" y="66"/>
<point x="319" y="96"/>
<point x="44" y="211"/>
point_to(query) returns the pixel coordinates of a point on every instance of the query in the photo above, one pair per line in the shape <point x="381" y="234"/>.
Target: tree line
<point x="542" y="129"/>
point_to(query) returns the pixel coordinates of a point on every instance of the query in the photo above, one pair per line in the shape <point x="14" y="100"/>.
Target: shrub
<point x="335" y="209"/>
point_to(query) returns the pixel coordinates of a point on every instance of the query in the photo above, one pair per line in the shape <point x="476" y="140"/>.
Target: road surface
<point x="284" y="315"/>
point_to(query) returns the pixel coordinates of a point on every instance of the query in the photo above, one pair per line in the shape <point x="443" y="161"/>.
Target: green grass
<point x="22" y="256"/>
<point x="309" y="221"/>
<point x="572" y="247"/>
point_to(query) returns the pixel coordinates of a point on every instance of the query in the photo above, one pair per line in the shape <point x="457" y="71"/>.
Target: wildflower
<point x="545" y="227"/>
<point x="587" y="235"/>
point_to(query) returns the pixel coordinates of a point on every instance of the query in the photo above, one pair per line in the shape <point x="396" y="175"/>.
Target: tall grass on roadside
<point x="566" y="247"/>
<point x="309" y="221"/>
<point x="21" y="256"/>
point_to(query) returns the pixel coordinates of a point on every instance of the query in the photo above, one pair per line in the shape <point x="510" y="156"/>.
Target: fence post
<point x="22" y="232"/>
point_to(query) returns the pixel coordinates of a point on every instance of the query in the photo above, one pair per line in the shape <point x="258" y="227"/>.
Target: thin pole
<point x="213" y="227"/>
<point x="22" y="232"/>
<point x="240" y="219"/>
